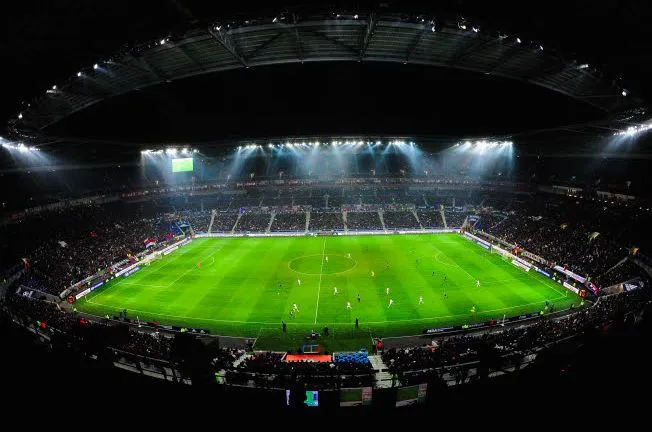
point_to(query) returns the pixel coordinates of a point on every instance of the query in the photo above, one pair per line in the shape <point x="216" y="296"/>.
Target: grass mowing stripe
<point x="248" y="284"/>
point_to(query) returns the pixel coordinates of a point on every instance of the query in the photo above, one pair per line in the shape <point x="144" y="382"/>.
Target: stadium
<point x="325" y="229"/>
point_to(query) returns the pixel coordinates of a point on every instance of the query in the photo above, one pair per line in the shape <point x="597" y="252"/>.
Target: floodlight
<point x="518" y="40"/>
<point x="624" y="92"/>
<point x="162" y="41"/>
<point x="96" y="66"/>
<point x="54" y="87"/>
<point x="79" y="74"/>
<point x="20" y="115"/>
<point x="355" y="16"/>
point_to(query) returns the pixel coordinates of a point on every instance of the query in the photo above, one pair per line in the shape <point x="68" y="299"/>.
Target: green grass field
<point x="235" y="291"/>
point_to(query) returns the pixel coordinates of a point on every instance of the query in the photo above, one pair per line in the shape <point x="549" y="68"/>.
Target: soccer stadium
<point x="325" y="208"/>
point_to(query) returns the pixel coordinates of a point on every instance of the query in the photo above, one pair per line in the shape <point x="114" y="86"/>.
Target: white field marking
<point x="176" y="254"/>
<point x="453" y="265"/>
<point x="321" y="273"/>
<point x="191" y="268"/>
<point x="105" y="290"/>
<point x="315" y="274"/>
<point x="145" y="285"/>
<point x="330" y="323"/>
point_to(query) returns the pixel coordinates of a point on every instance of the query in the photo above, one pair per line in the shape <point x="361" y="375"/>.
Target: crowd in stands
<point x="430" y="219"/>
<point x="400" y="219"/>
<point x="198" y="220"/>
<point x="565" y="244"/>
<point x="67" y="245"/>
<point x="326" y="221"/>
<point x="622" y="273"/>
<point x="256" y="222"/>
<point x="363" y="221"/>
<point x="455" y="219"/>
<point x="268" y="369"/>
<point x="49" y="316"/>
<point x="224" y="222"/>
<point x="289" y="222"/>
<point x="525" y="339"/>
<point x="225" y="358"/>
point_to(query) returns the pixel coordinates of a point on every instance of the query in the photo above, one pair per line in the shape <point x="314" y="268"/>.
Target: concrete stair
<point x="443" y="216"/>
<point x="416" y="216"/>
<point x="382" y="221"/>
<point x="236" y="223"/>
<point x="271" y="221"/>
<point x="213" y="215"/>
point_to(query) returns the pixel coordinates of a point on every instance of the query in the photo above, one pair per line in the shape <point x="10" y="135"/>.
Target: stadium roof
<point x="375" y="36"/>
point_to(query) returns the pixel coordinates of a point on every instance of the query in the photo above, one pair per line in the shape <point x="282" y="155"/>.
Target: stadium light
<point x="96" y="66"/>
<point x="583" y="66"/>
<point x="54" y="87"/>
<point x="275" y="20"/>
<point x="355" y="16"/>
<point x="195" y="151"/>
<point x="79" y="74"/>
<point x="541" y="47"/>
<point x="476" y="29"/>
<point x="518" y="40"/>
<point x="624" y="92"/>
<point x="162" y="41"/>
<point x="20" y="116"/>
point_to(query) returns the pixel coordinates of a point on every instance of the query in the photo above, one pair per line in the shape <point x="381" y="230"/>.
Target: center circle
<point x="317" y="264"/>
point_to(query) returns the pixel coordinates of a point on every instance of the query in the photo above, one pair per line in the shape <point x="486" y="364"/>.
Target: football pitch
<point x="246" y="286"/>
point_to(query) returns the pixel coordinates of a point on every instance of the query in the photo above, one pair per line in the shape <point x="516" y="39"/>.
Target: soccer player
<point x="348" y="305"/>
<point x="291" y="313"/>
<point x="299" y="282"/>
<point x="326" y="259"/>
<point x="473" y="309"/>
<point x="295" y="307"/>
<point x="373" y="274"/>
<point x="387" y="291"/>
<point x="348" y="255"/>
<point x="358" y="297"/>
<point x="198" y="264"/>
<point x="433" y="273"/>
<point x="477" y="283"/>
<point x="391" y="302"/>
<point x="334" y="290"/>
<point x="420" y="299"/>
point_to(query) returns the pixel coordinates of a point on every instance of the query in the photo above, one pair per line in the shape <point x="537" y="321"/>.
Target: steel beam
<point x="225" y="40"/>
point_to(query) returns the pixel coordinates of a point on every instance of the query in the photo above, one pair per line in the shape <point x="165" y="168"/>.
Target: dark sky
<point x="46" y="42"/>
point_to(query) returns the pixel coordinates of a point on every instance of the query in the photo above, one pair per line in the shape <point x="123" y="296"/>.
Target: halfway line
<point x="321" y="272"/>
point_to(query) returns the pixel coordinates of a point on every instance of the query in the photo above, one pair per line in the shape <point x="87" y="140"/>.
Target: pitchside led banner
<point x="181" y="165"/>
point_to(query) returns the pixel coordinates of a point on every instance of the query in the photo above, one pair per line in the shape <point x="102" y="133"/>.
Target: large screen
<point x="181" y="165"/>
<point x="355" y="396"/>
<point x="411" y="395"/>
